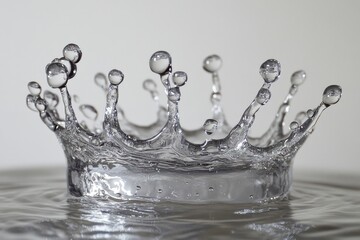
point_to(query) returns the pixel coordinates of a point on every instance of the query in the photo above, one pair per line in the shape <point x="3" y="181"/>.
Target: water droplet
<point x="138" y="187"/>
<point x="76" y="98"/>
<point x="298" y="77"/>
<point x="89" y="111"/>
<point x="210" y="126"/>
<point x="56" y="75"/>
<point x="70" y="66"/>
<point x="211" y="189"/>
<point x="30" y="102"/>
<point x="310" y="113"/>
<point x="294" y="125"/>
<point x="160" y="190"/>
<point x="179" y="78"/>
<point x="149" y="85"/>
<point x="332" y="94"/>
<point x="251" y="197"/>
<point x="212" y="63"/>
<point x="72" y="53"/>
<point x="34" y="88"/>
<point x="263" y="96"/>
<point x="174" y="94"/>
<point x="160" y="62"/>
<point x="51" y="98"/>
<point x="101" y="80"/>
<point x="115" y="77"/>
<point x="40" y="104"/>
<point x="270" y="70"/>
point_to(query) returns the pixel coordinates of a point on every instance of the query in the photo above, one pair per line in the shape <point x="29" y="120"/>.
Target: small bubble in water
<point x="179" y="78"/>
<point x="115" y="77"/>
<point x="212" y="63"/>
<point x="263" y="96"/>
<point x="72" y="53"/>
<point x="211" y="189"/>
<point x="138" y="187"/>
<point x="332" y="94"/>
<point x="30" y="102"/>
<point x="56" y="75"/>
<point x="294" y="125"/>
<point x="270" y="70"/>
<point x="101" y="80"/>
<point x="174" y="94"/>
<point x="89" y="111"/>
<point x="298" y="77"/>
<point x="34" y="88"/>
<point x="210" y="126"/>
<point x="160" y="62"/>
<point x="310" y="113"/>
<point x="51" y="98"/>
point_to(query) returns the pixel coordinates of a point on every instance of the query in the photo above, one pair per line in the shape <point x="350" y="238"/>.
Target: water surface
<point x="34" y="205"/>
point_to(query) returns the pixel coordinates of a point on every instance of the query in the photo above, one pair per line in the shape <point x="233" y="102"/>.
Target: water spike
<point x="72" y="53"/>
<point x="111" y="122"/>
<point x="331" y="95"/>
<point x="276" y="129"/>
<point x="41" y="106"/>
<point x="160" y="63"/>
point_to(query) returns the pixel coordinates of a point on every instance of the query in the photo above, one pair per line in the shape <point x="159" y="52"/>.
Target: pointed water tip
<point x="160" y="62"/>
<point x="270" y="70"/>
<point x="34" y="88"/>
<point x="332" y="95"/>
<point x="298" y="77"/>
<point x="179" y="78"/>
<point x="210" y="126"/>
<point x="115" y="77"/>
<point x="212" y="63"/>
<point x="72" y="53"/>
<point x="57" y="76"/>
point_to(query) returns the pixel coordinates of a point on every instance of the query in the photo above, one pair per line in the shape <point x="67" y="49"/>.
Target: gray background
<point x="321" y="37"/>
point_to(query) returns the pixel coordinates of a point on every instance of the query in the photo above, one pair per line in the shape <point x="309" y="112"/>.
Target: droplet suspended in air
<point x="210" y="126"/>
<point x="270" y="70"/>
<point x="30" y="102"/>
<point x="310" y="113"/>
<point x="40" y="104"/>
<point x="179" y="78"/>
<point x="115" y="77"/>
<point x="212" y="63"/>
<point x="70" y="66"/>
<point x="101" y="80"/>
<point x="51" y="98"/>
<point x="298" y="77"/>
<point x="56" y="75"/>
<point x="332" y="95"/>
<point x="72" y="53"/>
<point x="89" y="111"/>
<point x="294" y="125"/>
<point x="263" y="96"/>
<point x="160" y="62"/>
<point x="34" y="88"/>
<point x="174" y="94"/>
<point x="149" y="85"/>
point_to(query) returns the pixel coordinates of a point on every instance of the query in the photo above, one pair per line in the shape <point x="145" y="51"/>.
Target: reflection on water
<point x="34" y="205"/>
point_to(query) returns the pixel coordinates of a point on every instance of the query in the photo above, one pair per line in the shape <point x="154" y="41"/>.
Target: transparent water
<point x="34" y="205"/>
